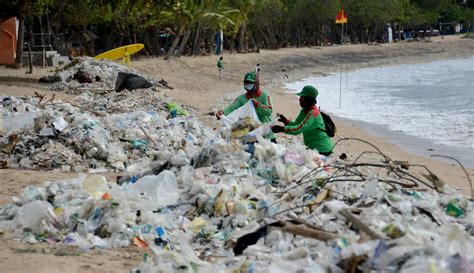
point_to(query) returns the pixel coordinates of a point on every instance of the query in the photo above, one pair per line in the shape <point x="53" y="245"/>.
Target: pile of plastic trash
<point x="204" y="204"/>
<point x="228" y="210"/>
<point x="144" y="99"/>
<point x="111" y="131"/>
<point x="87" y="73"/>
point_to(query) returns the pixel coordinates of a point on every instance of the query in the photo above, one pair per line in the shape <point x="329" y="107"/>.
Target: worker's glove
<point x="278" y="129"/>
<point x="219" y="114"/>
<point x="282" y="118"/>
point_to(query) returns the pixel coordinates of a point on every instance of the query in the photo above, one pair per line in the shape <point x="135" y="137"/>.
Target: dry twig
<point x="464" y="169"/>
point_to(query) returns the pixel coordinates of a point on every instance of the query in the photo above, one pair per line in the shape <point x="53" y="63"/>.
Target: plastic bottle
<point x="95" y="185"/>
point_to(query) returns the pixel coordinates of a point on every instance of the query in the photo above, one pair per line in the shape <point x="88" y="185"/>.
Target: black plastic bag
<point x="130" y="81"/>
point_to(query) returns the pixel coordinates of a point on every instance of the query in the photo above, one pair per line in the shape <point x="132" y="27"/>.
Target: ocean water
<point x="432" y="101"/>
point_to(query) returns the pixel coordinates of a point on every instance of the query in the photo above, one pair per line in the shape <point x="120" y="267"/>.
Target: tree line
<point x="194" y="27"/>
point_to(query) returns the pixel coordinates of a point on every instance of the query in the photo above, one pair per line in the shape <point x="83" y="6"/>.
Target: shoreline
<point x="417" y="145"/>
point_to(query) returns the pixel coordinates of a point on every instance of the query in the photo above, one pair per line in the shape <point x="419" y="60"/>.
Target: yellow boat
<point x="123" y="52"/>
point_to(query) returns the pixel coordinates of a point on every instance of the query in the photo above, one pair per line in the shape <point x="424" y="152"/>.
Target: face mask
<point x="249" y="86"/>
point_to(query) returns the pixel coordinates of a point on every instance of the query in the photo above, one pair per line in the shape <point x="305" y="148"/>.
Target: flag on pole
<point x="341" y="17"/>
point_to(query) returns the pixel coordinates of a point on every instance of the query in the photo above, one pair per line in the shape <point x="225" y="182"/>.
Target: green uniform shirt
<point x="311" y="124"/>
<point x="264" y="108"/>
<point x="220" y="64"/>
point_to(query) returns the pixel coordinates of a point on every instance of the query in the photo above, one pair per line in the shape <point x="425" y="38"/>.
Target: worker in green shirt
<point x="220" y="67"/>
<point x="309" y="122"/>
<point x="260" y="98"/>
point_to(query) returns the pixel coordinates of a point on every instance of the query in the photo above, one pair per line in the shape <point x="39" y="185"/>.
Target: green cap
<point x="308" y="91"/>
<point x="250" y="77"/>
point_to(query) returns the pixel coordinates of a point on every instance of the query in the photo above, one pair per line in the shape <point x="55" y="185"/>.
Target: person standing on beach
<point x="309" y="122"/>
<point x="220" y="67"/>
<point x="260" y="99"/>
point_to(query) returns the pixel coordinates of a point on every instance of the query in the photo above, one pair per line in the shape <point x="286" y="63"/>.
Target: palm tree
<point x="222" y="19"/>
<point x="195" y="12"/>
<point x="245" y="7"/>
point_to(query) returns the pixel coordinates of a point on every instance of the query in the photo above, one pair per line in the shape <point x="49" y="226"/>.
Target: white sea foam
<point x="434" y="101"/>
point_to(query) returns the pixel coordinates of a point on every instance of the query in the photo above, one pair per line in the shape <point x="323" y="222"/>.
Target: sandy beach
<point x="196" y="85"/>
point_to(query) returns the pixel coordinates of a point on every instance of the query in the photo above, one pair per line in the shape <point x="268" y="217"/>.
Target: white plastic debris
<point x="204" y="204"/>
<point x="37" y="216"/>
<point x="160" y="189"/>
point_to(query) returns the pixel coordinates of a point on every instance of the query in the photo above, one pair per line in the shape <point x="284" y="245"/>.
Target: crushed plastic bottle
<point x="95" y="185"/>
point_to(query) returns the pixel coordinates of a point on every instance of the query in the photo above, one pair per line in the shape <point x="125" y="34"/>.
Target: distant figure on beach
<point x="309" y="122"/>
<point x="260" y="98"/>
<point x="220" y="67"/>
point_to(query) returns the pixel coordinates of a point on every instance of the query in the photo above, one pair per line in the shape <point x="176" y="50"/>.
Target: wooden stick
<point x="306" y="232"/>
<point x="148" y="136"/>
<point x="306" y="223"/>
<point x="347" y="213"/>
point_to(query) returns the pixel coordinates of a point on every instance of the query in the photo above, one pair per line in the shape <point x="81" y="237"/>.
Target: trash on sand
<point x="224" y="209"/>
<point x="201" y="203"/>
<point x="59" y="124"/>
<point x="130" y="81"/>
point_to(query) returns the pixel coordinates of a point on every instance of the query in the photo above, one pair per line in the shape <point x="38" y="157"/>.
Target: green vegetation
<point x="176" y="27"/>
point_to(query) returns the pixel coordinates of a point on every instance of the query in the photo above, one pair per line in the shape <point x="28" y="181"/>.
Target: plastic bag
<point x="179" y="110"/>
<point x="260" y="131"/>
<point x="161" y="189"/>
<point x="17" y="122"/>
<point x="36" y="216"/>
<point x="130" y="81"/>
<point x="247" y="110"/>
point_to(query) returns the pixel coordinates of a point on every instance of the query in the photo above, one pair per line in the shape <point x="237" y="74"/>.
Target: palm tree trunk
<point x="19" y="45"/>
<point x="154" y="42"/>
<point x="272" y="37"/>
<point x="211" y="38"/>
<point x="255" y="47"/>
<point x="367" y="34"/>
<point x="242" y="36"/>
<point x="232" y="41"/>
<point x="298" y="33"/>
<point x="175" y="42"/>
<point x="196" y="39"/>
<point x="199" y="41"/>
<point x="184" y="41"/>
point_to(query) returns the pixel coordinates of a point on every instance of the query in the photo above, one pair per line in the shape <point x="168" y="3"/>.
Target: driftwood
<point x="304" y="231"/>
<point x="347" y="213"/>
